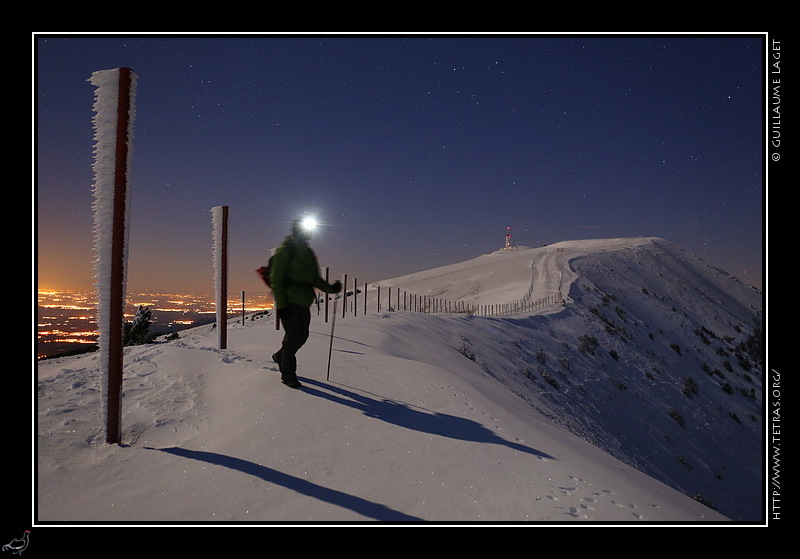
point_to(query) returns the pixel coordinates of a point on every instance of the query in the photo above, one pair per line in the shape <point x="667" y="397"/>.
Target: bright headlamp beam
<point x="309" y="223"/>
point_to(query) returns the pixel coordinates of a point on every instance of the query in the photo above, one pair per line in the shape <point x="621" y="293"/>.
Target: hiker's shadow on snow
<point x="404" y="415"/>
<point x="358" y="505"/>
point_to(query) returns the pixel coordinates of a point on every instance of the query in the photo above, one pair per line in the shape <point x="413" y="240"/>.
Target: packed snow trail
<point x="518" y="274"/>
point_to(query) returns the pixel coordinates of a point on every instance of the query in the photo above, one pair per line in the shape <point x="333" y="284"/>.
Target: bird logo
<point x="18" y="545"/>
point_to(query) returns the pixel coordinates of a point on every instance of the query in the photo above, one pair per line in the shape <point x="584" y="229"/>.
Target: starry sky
<point x="413" y="151"/>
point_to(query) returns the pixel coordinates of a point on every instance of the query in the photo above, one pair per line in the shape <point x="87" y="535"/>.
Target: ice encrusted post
<point x="219" y="227"/>
<point x="113" y="125"/>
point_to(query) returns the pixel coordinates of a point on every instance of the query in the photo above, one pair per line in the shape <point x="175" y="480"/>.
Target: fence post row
<point x="422" y="304"/>
<point x="412" y="302"/>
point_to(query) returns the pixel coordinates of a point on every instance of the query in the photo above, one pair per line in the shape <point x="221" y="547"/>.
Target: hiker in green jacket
<point x="294" y="275"/>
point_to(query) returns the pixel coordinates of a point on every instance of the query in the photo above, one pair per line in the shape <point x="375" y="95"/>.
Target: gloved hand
<point x="337" y="286"/>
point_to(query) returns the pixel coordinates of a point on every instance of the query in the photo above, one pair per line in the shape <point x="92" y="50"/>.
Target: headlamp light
<point x="308" y="224"/>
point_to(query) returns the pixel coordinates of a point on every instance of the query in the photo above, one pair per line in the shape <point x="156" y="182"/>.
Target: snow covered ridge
<point x="517" y="274"/>
<point x="655" y="356"/>
<point x="638" y="400"/>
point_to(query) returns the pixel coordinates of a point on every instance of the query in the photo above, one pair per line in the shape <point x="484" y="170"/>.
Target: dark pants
<point x="296" y="321"/>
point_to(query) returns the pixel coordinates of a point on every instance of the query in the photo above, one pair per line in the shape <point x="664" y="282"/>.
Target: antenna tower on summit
<point x="508" y="239"/>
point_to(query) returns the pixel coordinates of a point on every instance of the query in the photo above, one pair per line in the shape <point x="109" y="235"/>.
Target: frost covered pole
<point x="219" y="225"/>
<point x="113" y="125"/>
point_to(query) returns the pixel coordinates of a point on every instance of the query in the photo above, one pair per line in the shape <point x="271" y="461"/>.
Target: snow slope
<point x="434" y="418"/>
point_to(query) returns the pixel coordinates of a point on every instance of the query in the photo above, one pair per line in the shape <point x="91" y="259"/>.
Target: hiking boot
<point x="292" y="383"/>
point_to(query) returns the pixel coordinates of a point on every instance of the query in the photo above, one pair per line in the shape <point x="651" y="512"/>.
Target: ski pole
<point x="330" y="347"/>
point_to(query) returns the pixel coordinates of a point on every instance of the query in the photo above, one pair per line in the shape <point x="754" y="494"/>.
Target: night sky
<point x="413" y="151"/>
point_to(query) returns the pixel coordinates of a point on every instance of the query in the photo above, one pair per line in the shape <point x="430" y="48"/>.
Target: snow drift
<point x="636" y="399"/>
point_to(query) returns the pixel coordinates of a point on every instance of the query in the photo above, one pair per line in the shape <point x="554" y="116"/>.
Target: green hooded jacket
<point x="295" y="274"/>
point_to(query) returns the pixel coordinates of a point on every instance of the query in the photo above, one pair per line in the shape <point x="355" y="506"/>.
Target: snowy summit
<point x="632" y="396"/>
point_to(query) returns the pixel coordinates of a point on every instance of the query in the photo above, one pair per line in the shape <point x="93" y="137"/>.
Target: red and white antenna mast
<point x="508" y="238"/>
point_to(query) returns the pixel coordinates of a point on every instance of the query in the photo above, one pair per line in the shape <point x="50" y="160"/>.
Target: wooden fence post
<point x="344" y="295"/>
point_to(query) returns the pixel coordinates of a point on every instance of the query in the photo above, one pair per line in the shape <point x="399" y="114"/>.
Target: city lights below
<point x="68" y="319"/>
